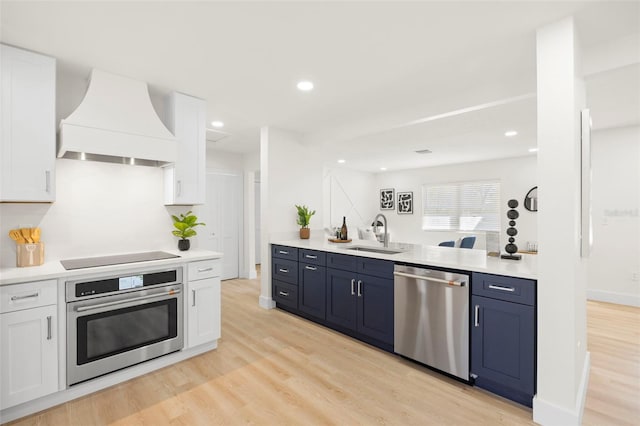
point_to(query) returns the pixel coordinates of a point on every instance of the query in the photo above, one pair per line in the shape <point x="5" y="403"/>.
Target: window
<point x="461" y="206"/>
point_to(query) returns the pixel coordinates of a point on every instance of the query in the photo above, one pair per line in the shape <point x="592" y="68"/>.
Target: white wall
<point x="225" y="161"/>
<point x="615" y="255"/>
<point x="290" y="174"/>
<point x="516" y="175"/>
<point x="351" y="194"/>
<point x="100" y="208"/>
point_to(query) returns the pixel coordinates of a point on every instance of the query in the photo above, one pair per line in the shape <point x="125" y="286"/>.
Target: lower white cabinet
<point x="28" y="355"/>
<point x="203" y="310"/>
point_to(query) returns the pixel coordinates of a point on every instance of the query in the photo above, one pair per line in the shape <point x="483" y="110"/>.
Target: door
<point x="341" y="298"/>
<point x="502" y="343"/>
<point x="223" y="218"/>
<point x="203" y="311"/>
<point x="312" y="290"/>
<point x="28" y="338"/>
<point x="375" y="307"/>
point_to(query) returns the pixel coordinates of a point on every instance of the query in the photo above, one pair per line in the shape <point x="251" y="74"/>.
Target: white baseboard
<point x="614" y="297"/>
<point x="549" y="414"/>
<point x="267" y="302"/>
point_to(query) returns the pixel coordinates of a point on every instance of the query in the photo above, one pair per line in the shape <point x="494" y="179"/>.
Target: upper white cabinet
<point x="27" y="126"/>
<point x="184" y="181"/>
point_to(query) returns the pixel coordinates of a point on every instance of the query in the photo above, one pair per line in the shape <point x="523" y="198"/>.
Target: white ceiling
<point x="377" y="66"/>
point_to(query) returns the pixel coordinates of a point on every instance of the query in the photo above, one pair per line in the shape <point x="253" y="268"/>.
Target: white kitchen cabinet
<point x="203" y="311"/>
<point x="28" y="142"/>
<point x="184" y="180"/>
<point x="28" y="341"/>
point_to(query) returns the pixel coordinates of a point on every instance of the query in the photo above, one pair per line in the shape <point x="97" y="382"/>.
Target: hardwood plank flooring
<point x="274" y="368"/>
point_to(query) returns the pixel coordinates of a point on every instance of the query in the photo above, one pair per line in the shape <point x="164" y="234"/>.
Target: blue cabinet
<point x="358" y="302"/>
<point x="311" y="283"/>
<point x="503" y="336"/>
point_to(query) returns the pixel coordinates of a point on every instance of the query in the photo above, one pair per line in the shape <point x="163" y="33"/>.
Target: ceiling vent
<point x="423" y="151"/>
<point x="116" y="122"/>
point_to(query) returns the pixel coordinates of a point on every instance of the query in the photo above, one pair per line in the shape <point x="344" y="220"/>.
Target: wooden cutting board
<point x="335" y="240"/>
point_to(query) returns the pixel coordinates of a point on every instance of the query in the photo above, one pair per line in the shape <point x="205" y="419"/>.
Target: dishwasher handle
<point x="457" y="283"/>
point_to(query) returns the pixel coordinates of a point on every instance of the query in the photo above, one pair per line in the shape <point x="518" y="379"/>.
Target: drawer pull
<point x="308" y="256"/>
<point x="283" y="252"/>
<point x="49" y="328"/>
<point x="206" y="269"/>
<point x="284" y="271"/>
<point x="476" y="321"/>
<point x="311" y="268"/>
<point x="501" y="288"/>
<point x="282" y="293"/>
<point x="193" y="292"/>
<point x="26" y="296"/>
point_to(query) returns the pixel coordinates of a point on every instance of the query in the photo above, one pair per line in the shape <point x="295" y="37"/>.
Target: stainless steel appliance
<point x="431" y="318"/>
<point x="117" y="321"/>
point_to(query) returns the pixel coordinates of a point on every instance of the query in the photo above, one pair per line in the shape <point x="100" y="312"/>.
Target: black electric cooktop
<point x="92" y="262"/>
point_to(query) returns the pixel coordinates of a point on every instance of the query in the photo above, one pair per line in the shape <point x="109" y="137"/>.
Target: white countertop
<point x="446" y="257"/>
<point x="54" y="270"/>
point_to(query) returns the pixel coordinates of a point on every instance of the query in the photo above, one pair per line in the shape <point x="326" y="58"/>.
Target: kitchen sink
<point x="375" y="250"/>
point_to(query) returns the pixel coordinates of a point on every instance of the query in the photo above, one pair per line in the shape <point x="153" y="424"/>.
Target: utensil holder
<point x="30" y="254"/>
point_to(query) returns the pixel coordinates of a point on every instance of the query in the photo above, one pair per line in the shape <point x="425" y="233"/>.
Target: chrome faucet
<point x="375" y="228"/>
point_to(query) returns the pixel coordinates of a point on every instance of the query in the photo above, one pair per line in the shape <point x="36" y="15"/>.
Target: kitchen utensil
<point x="17" y="236"/>
<point x="26" y="234"/>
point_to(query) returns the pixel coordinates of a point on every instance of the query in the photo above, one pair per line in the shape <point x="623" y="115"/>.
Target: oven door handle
<point x="125" y="301"/>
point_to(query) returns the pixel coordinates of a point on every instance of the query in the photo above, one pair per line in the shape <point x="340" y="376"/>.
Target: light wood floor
<point x="274" y="368"/>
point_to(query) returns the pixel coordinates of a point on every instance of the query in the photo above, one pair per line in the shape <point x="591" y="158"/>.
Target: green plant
<point x="304" y="216"/>
<point x="184" y="225"/>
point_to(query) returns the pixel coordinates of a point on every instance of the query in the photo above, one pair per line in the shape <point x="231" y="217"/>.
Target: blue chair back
<point x="468" y="242"/>
<point x="447" y="244"/>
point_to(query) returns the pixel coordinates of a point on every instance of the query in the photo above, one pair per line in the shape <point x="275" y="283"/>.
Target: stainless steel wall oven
<point x="118" y="321"/>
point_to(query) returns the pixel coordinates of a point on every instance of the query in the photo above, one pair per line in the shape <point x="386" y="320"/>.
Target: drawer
<point x="375" y="267"/>
<point x="16" y="297"/>
<point x="285" y="294"/>
<point x="341" y="261"/>
<point x="285" y="270"/>
<point x="312" y="257"/>
<point x="518" y="290"/>
<point x="284" y="252"/>
<point x="204" y="269"/>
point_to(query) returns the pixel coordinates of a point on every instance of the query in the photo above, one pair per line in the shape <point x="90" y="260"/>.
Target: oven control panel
<point x="125" y="283"/>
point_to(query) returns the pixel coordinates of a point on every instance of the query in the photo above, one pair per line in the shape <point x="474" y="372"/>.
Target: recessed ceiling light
<point x="383" y="168"/>
<point x="305" y="85"/>
<point x="510" y="133"/>
<point x="341" y="161"/>
<point x="533" y="149"/>
<point x="218" y="124"/>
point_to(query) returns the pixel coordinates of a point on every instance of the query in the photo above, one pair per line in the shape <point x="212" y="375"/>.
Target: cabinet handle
<point x="283" y="252"/>
<point x="49" y="328"/>
<point x="501" y="288"/>
<point x="205" y="269"/>
<point x="179" y="188"/>
<point x="284" y="271"/>
<point x="353" y="291"/>
<point x="308" y="256"/>
<point x="193" y="293"/>
<point x="282" y="293"/>
<point x="47" y="181"/>
<point x="311" y="268"/>
<point x="359" y="288"/>
<point x="26" y="296"/>
<point x="476" y="321"/>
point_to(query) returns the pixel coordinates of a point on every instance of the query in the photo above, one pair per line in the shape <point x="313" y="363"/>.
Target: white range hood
<point x="116" y="122"/>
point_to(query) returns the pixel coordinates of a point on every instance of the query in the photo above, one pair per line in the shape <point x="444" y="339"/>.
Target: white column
<point x="265" y="267"/>
<point x="249" y="258"/>
<point x="563" y="363"/>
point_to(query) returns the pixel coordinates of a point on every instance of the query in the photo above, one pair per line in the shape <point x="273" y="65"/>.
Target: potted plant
<point x="184" y="229"/>
<point x="304" y="216"/>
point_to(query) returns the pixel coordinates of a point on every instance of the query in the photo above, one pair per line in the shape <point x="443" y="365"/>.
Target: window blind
<point x="461" y="206"/>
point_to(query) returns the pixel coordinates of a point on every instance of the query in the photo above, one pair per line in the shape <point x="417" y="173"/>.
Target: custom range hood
<point x="116" y="123"/>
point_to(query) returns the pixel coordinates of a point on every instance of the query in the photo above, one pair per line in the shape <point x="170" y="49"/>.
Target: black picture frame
<point x="405" y="202"/>
<point x="387" y="199"/>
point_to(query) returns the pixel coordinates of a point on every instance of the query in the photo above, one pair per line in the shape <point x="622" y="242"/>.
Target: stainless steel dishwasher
<point x="431" y="318"/>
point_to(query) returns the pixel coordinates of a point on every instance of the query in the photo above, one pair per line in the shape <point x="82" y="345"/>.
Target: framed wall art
<point x="405" y="202"/>
<point x="387" y="197"/>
